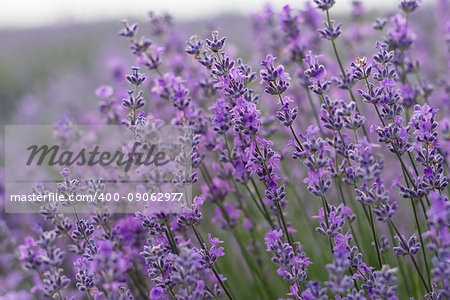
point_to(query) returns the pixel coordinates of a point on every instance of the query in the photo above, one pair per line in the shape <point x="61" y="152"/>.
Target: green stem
<point x="203" y="245"/>
<point x="372" y="225"/>
<point x="415" y="170"/>
<point x="326" y="211"/>
<point x="290" y="126"/>
<point x="405" y="278"/>
<point x="171" y="238"/>
<point x="263" y="208"/>
<point x="412" y="257"/>
<point x="280" y="213"/>
<point x="261" y="201"/>
<point x="222" y="284"/>
<point x="421" y="243"/>
<point x="284" y="224"/>
<point x="316" y="116"/>
<point x="341" y="67"/>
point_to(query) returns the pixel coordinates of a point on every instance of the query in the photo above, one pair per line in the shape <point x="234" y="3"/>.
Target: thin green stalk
<point x="354" y="280"/>
<point x="138" y="286"/>
<point x="283" y="221"/>
<point x="358" y="220"/>
<point x="203" y="245"/>
<point x="256" y="203"/>
<point x="415" y="170"/>
<point x="341" y="67"/>
<point x="262" y="209"/>
<point x="374" y="235"/>
<point x="326" y="211"/>
<point x="253" y="265"/>
<point x="243" y="249"/>
<point x="372" y="225"/>
<point x="261" y="201"/>
<point x="412" y="257"/>
<point x="222" y="284"/>
<point x="290" y="126"/>
<point x="316" y="117"/>
<point x="401" y="264"/>
<point x="280" y="213"/>
<point x="171" y="238"/>
<point x="413" y="204"/>
<point x="421" y="243"/>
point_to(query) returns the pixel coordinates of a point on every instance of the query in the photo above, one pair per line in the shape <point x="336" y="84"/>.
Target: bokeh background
<point x="54" y="54"/>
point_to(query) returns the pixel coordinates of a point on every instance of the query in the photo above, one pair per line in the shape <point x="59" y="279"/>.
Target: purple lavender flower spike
<point x="331" y="31"/>
<point x="293" y="263"/>
<point x="409" y="6"/>
<point x="215" y="45"/>
<point x="135" y="78"/>
<point x="129" y="30"/>
<point x="255" y="158"/>
<point x="407" y="247"/>
<point x="324" y="4"/>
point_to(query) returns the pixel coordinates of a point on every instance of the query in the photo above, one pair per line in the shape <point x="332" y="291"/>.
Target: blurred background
<point x="26" y="13"/>
<point x="54" y="54"/>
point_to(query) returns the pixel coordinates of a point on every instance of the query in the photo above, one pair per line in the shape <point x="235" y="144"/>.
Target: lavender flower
<point x="275" y="76"/>
<point x="409" y="6"/>
<point x="293" y="263"/>
<point x="338" y="282"/>
<point x="333" y="225"/>
<point x="215" y="45"/>
<point x="331" y="31"/>
<point x="255" y="160"/>
<point x="381" y="284"/>
<point x="407" y="247"/>
<point x="324" y="4"/>
<point x="129" y="30"/>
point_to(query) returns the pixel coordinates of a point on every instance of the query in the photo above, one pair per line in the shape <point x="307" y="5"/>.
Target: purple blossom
<point x="407" y="247"/>
<point x="324" y="4"/>
<point x="293" y="263"/>
<point x="157" y="293"/>
<point x="129" y="30"/>
<point x="104" y="92"/>
<point x="331" y="31"/>
<point x="216" y="44"/>
<point x="248" y="185"/>
<point x="274" y="76"/>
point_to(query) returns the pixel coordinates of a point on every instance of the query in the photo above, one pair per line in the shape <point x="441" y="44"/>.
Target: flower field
<point x="315" y="156"/>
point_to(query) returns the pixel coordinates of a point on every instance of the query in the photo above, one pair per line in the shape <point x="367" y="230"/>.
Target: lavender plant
<point x="318" y="163"/>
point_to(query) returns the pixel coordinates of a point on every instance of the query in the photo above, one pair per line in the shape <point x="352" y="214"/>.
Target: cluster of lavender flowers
<point x="319" y="161"/>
